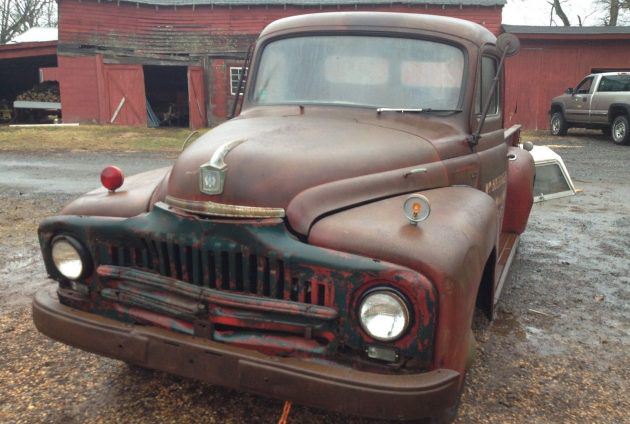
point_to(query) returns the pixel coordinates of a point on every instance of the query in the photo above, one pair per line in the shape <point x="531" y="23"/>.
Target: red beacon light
<point x="112" y="178"/>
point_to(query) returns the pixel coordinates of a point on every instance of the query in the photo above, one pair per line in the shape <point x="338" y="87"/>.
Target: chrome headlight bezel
<point x="391" y="294"/>
<point x="81" y="255"/>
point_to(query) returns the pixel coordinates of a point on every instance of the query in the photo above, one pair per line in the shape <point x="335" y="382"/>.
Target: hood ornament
<point x="212" y="173"/>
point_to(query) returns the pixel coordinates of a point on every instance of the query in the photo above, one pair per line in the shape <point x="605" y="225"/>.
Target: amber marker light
<point x="417" y="208"/>
<point x="112" y="178"/>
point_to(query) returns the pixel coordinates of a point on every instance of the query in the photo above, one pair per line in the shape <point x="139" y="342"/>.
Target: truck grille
<point x="227" y="267"/>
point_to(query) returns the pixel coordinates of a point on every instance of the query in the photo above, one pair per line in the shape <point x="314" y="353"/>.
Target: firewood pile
<point x="44" y="92"/>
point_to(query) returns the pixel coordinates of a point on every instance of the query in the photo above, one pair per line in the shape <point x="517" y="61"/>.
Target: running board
<point x="508" y="242"/>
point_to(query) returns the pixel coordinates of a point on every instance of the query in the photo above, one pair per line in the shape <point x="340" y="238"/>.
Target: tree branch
<point x="560" y="13"/>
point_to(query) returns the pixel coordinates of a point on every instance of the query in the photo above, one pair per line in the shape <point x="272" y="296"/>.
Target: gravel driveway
<point x="557" y="352"/>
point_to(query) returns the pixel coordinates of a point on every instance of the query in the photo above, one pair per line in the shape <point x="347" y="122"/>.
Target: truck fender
<point x="134" y="197"/>
<point x="520" y="190"/>
<point x="616" y="107"/>
<point x="557" y="105"/>
<point x="451" y="248"/>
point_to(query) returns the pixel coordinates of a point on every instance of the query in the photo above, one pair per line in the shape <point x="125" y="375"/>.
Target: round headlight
<point x="67" y="259"/>
<point x="384" y="315"/>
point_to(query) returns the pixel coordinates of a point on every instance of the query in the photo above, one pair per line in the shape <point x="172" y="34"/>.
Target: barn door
<point x="196" y="97"/>
<point x="127" y="99"/>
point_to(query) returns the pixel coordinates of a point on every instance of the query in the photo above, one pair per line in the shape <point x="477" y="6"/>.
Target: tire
<point x="558" y="124"/>
<point x="620" y="131"/>
<point x="607" y="131"/>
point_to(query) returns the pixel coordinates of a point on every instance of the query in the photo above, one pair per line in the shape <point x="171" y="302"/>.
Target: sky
<point x="537" y="12"/>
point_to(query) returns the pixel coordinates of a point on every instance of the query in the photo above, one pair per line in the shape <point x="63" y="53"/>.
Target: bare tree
<point x="16" y="16"/>
<point x="607" y="12"/>
<point x="613" y="12"/>
<point x="557" y="8"/>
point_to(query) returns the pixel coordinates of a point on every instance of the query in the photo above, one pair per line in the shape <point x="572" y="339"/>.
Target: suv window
<point x="484" y="82"/>
<point x="614" y="83"/>
<point x="585" y="86"/>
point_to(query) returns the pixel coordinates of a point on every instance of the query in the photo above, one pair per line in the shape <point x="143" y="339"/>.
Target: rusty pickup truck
<point x="327" y="246"/>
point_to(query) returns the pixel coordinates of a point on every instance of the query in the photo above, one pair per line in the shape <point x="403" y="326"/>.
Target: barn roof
<point x="564" y="30"/>
<point x="570" y="33"/>
<point x="318" y="2"/>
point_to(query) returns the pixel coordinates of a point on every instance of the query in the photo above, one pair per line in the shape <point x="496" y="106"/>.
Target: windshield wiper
<point x="419" y="110"/>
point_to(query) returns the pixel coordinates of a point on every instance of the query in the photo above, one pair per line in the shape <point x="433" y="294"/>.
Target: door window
<point x="585" y="86"/>
<point x="484" y="83"/>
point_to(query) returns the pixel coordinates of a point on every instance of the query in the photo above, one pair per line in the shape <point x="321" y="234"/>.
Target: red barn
<point x="181" y="59"/>
<point x="552" y="59"/>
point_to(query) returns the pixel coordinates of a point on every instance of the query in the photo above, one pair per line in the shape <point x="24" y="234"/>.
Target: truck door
<point x="491" y="150"/>
<point x="602" y="97"/>
<point x="577" y="107"/>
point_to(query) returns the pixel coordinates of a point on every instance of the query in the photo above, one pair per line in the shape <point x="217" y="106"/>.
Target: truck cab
<point x="330" y="244"/>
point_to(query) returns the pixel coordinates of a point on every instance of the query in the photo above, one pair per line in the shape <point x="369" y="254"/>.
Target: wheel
<point x="620" y="133"/>
<point x="559" y="125"/>
<point x="607" y="131"/>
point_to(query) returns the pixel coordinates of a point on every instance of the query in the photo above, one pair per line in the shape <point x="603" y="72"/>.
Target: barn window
<point x="235" y="76"/>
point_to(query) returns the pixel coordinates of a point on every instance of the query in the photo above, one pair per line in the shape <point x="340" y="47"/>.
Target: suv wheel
<point x="559" y="125"/>
<point x="620" y="132"/>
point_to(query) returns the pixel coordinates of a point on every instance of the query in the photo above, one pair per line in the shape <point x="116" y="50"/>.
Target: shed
<point x="184" y="57"/>
<point x="20" y="65"/>
<point x="552" y="59"/>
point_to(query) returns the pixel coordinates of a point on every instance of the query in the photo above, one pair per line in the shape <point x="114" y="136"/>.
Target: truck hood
<point x="281" y="157"/>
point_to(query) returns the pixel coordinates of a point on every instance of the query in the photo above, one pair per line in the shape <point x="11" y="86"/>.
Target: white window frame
<point x="233" y="83"/>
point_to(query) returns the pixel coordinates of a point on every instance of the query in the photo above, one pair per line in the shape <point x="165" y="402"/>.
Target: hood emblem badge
<point x="212" y="173"/>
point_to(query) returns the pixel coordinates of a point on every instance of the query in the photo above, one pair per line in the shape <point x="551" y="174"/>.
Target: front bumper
<point x="327" y="386"/>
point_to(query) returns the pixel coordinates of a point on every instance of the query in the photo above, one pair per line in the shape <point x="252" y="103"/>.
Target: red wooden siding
<point x="543" y="69"/>
<point x="151" y="30"/>
<point x="79" y="88"/>
<point x="127" y="33"/>
<point x="34" y="49"/>
<point x="196" y="97"/>
<point x="220" y="90"/>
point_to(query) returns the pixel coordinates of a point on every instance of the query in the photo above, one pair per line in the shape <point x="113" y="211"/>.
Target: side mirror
<point x="569" y="91"/>
<point x="508" y="44"/>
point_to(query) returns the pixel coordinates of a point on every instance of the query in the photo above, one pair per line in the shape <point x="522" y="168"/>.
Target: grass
<point x="94" y="137"/>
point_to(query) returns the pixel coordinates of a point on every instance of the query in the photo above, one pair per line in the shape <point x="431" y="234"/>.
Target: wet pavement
<point x="556" y="353"/>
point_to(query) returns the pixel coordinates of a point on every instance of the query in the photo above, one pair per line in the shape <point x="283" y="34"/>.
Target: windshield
<point x="367" y="71"/>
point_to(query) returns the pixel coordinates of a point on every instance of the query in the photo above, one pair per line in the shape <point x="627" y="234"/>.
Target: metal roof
<point x="319" y="2"/>
<point x="564" y="30"/>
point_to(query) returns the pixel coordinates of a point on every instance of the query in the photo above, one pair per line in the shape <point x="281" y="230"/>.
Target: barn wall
<point x="146" y="30"/>
<point x="215" y="37"/>
<point x="79" y="88"/>
<point x="545" y="68"/>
